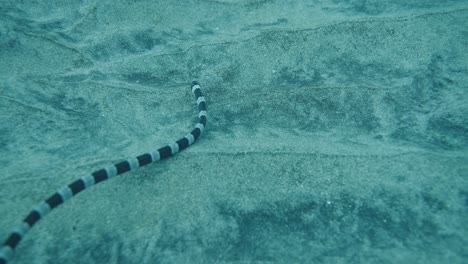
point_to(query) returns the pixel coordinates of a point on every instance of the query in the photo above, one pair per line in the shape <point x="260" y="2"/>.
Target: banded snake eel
<point x="67" y="192"/>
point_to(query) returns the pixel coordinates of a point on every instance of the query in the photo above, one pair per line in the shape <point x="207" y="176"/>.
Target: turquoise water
<point x="337" y="130"/>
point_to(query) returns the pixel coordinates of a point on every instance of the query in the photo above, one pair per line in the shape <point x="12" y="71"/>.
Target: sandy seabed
<point x="337" y="130"/>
